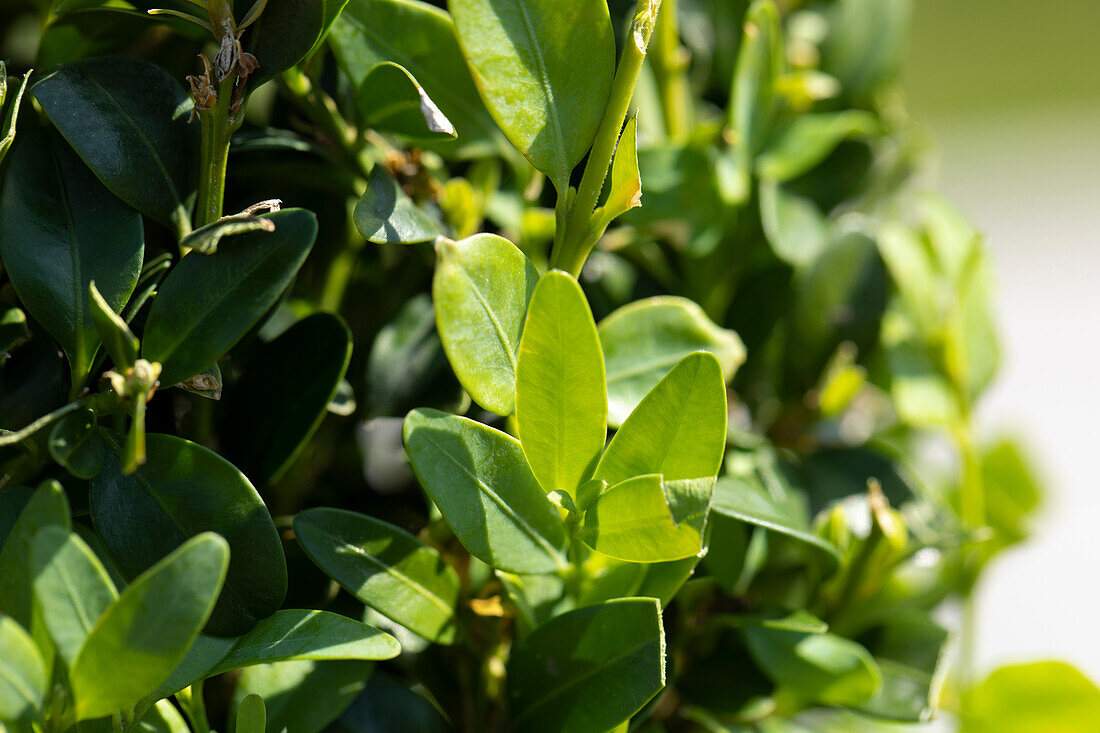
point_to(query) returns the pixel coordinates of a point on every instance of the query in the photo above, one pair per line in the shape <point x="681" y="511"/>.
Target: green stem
<point x="571" y="250"/>
<point x="217" y="129"/>
<point x="670" y="64"/>
<point x="194" y="708"/>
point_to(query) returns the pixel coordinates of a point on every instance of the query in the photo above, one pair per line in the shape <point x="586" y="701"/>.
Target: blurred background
<point x="1008" y="92"/>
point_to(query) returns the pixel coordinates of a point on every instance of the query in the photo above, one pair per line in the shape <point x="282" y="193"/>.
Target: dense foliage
<point x="348" y="461"/>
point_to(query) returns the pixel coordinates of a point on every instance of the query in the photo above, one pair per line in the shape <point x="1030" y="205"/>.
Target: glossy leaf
<point x="118" y="340"/>
<point x="642" y="341"/>
<point x="388" y="704"/>
<point x="421" y="38"/>
<point x="561" y="392"/>
<point x="384" y="214"/>
<point x="74" y="444"/>
<point x="305" y="363"/>
<point x="23" y="681"/>
<point x="183" y="490"/>
<point x="286" y="32"/>
<point x="47" y="507"/>
<point x="643" y="519"/>
<point x="1029" y="697"/>
<point x="808" y="140"/>
<point x="481" y="289"/>
<point x="305" y="695"/>
<point x="128" y="120"/>
<point x="384" y="567"/>
<point x="251" y="715"/>
<point x="390" y="99"/>
<point x="207" y="304"/>
<point x="678" y="430"/>
<point x="480" y="480"/>
<point x="526" y="58"/>
<point x="625" y="190"/>
<point x="148" y="629"/>
<point x="55" y="223"/>
<point x="588" y="670"/>
<point x="821" y="668"/>
<point x="304" y="634"/>
<point x="71" y="586"/>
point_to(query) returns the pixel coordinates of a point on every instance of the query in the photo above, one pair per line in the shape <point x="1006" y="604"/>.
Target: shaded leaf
<point x="384" y="214"/>
<point x="390" y="99"/>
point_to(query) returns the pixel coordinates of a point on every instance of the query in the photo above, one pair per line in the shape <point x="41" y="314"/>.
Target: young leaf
<point x="480" y="480"/>
<point x="561" y="393"/>
<point x="206" y="304"/>
<point x="55" y="223"/>
<point x="421" y="38"/>
<point x="306" y="363"/>
<point x="251" y="715"/>
<point x="808" y="140"/>
<point x="205" y="240"/>
<point x="74" y="444"/>
<point x="183" y="490"/>
<point x="303" y="695"/>
<point x="385" y="215"/>
<point x="385" y="567"/>
<point x="12" y="111"/>
<point x="678" y="430"/>
<point x="645" y="520"/>
<point x="822" y="668"/>
<point x="119" y="341"/>
<point x="544" y="69"/>
<point x="47" y="507"/>
<point x="390" y="99"/>
<point x="23" y="681"/>
<point x="302" y="634"/>
<point x="148" y="629"/>
<point x="588" y="670"/>
<point x="625" y="190"/>
<point x="642" y="341"/>
<point x="71" y="586"/>
<point x="128" y="120"/>
<point x="481" y="289"/>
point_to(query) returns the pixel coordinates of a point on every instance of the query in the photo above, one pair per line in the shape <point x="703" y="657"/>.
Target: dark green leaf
<point x="385" y="215"/>
<point x="588" y="670"/>
<point x="303" y="696"/>
<point x="128" y="120"/>
<point x="205" y="240"/>
<point x="13" y="329"/>
<point x="388" y="705"/>
<point x="480" y="480"/>
<point x="390" y="99"/>
<point x="286" y="32"/>
<point x="74" y="444"/>
<point x="182" y="490"/>
<point x="206" y="304"/>
<point x="405" y="359"/>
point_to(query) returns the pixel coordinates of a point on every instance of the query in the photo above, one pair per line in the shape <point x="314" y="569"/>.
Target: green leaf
<point x="390" y="99"/>
<point x="207" y="304"/>
<point x="389" y="705"/>
<point x="406" y="360"/>
<point x="205" y="240"/>
<point x="183" y="490"/>
<point x="305" y="363"/>
<point x="625" y="189"/>
<point x="643" y="519"/>
<point x="1031" y="697"/>
<point x="12" y="111"/>
<point x="481" y="289"/>
<point x="305" y="634"/>
<point x="55" y="223"/>
<point x="23" y="681"/>
<point x="678" y="430"/>
<point x="386" y="215"/>
<point x="74" y="444"/>
<point x="588" y="670"/>
<point x="796" y="230"/>
<point x="866" y="42"/>
<point x="163" y="717"/>
<point x="204" y="653"/>
<point x="119" y="341"/>
<point x="822" y="668"/>
<point x="808" y="140"/>
<point x="128" y="120"/>
<point x="421" y="38"/>
<point x="561" y="391"/>
<point x="303" y="696"/>
<point x="251" y="715"/>
<point x="384" y="567"/>
<point x="480" y="480"/>
<point x="642" y="341"/>
<point x="13" y="329"/>
<point x="148" y="629"/>
<point x="286" y="32"/>
<point x="748" y="500"/>
<point x="47" y="507"/>
<point x="910" y="650"/>
<point x="71" y="586"/>
<point x="544" y="69"/>
<point x="1012" y="493"/>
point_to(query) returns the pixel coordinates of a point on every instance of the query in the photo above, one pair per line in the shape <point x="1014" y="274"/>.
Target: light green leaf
<point x="808" y="140"/>
<point x="23" y="680"/>
<point x="386" y="215"/>
<point x="1023" y="698"/>
<point x="148" y="630"/>
<point x="251" y="715"/>
<point x="796" y="230"/>
<point x="678" y="430"/>
<point x="822" y="668"/>
<point x="480" y="480"/>
<point x="71" y="586"/>
<point x="307" y="634"/>
<point x="303" y="696"/>
<point x="561" y="392"/>
<point x="390" y="99"/>
<point x="47" y="507"/>
<point x="625" y="190"/>
<point x="119" y="341"/>
<point x="588" y="670"/>
<point x="385" y="567"/>
<point x="643" y="519"/>
<point x="544" y="69"/>
<point x="642" y="341"/>
<point x="481" y="289"/>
